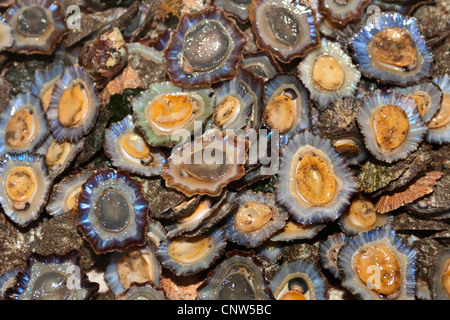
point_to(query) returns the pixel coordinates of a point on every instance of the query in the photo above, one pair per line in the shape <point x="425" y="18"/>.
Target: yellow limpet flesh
<point x="346" y="147"/>
<point x="442" y="117"/>
<point x="135" y="146"/>
<point x="21" y="183"/>
<point x="73" y="106"/>
<point x="391" y="126"/>
<point x="56" y="153"/>
<point x="362" y="212"/>
<point x="379" y="267"/>
<point x="134" y="266"/>
<point x="292" y="295"/>
<point x="315" y="181"/>
<point x="328" y="73"/>
<point x="72" y="200"/>
<point x="423" y="101"/>
<point x="394" y="47"/>
<point x="280" y="113"/>
<point x="20" y="129"/>
<point x="170" y="111"/>
<point x="190" y="250"/>
<point x="47" y="97"/>
<point x="226" y="110"/>
<point x="253" y="216"/>
<point x="446" y="276"/>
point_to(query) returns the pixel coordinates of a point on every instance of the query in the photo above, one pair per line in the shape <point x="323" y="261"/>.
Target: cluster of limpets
<point x="150" y="129"/>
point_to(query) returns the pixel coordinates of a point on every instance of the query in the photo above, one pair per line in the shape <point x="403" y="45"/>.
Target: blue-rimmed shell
<point x="240" y="276"/>
<point x="188" y="255"/>
<point x="21" y="205"/>
<point x="439" y="125"/>
<point x="328" y="73"/>
<point x="286" y="105"/>
<point x="363" y="45"/>
<point x="6" y="39"/>
<point x="52" y="277"/>
<point x="112" y="212"/>
<point x="288" y="29"/>
<point x="206" y="47"/>
<point x="428" y="97"/>
<point x="37" y="25"/>
<point x="137" y="264"/>
<point x="156" y="132"/>
<point x="71" y="122"/>
<point x="306" y="145"/>
<point x="372" y="105"/>
<point x="233" y="105"/>
<point x="329" y="250"/>
<point x="64" y="196"/>
<point x="143" y="160"/>
<point x="384" y="237"/>
<point x="299" y="278"/>
<point x="143" y="291"/>
<point x="255" y="218"/>
<point x="22" y="125"/>
<point x="7" y="280"/>
<point x="44" y="82"/>
<point x="59" y="155"/>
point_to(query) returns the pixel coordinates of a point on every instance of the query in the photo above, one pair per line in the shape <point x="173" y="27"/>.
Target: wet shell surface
<point x="64" y="196"/>
<point x="25" y="186"/>
<point x="74" y="105"/>
<point x="286" y="105"/>
<point x="328" y="73"/>
<point x="146" y="291"/>
<point x="22" y="125"/>
<point x="165" y="113"/>
<point x="205" y="48"/>
<point x="299" y="280"/>
<point x="52" y="277"/>
<point x="440" y="282"/>
<point x="392" y="49"/>
<point x="137" y="264"/>
<point x="378" y="265"/>
<point x="238" y="277"/>
<point x="314" y="183"/>
<point x="206" y="165"/>
<point x="189" y="255"/>
<point x="255" y="218"/>
<point x="37" y="26"/>
<point x="44" y="82"/>
<point x="286" y="28"/>
<point x="112" y="212"/>
<point x="342" y="12"/>
<point x="391" y="125"/>
<point x="329" y="250"/>
<point x="439" y="125"/>
<point x="128" y="150"/>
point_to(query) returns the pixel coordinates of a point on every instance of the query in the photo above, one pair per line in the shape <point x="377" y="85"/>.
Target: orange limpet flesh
<point x="394" y="47"/>
<point x="170" y="111"/>
<point x="135" y="146"/>
<point x="378" y="267"/>
<point x="56" y="153"/>
<point x="315" y="181"/>
<point x="20" y="129"/>
<point x="328" y="73"/>
<point x="362" y="212"/>
<point x="442" y="117"/>
<point x="423" y="101"/>
<point x="21" y="183"/>
<point x="72" y="107"/>
<point x="279" y="113"/>
<point x="190" y="250"/>
<point x="226" y="111"/>
<point x="253" y="216"/>
<point x="134" y="266"/>
<point x="391" y="126"/>
<point x="446" y="276"/>
<point x="292" y="295"/>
